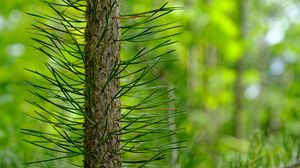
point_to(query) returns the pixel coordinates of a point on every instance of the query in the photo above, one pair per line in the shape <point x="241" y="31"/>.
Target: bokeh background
<point x="237" y="77"/>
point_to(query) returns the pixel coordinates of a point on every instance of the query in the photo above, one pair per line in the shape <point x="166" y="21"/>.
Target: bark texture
<point x="102" y="53"/>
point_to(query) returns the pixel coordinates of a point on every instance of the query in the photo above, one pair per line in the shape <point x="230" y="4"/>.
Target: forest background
<point x="236" y="77"/>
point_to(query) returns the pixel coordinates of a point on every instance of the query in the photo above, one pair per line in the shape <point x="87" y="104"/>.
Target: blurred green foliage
<point x="208" y="54"/>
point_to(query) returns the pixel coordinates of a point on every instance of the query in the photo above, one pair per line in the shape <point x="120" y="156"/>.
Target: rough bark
<point x="102" y="110"/>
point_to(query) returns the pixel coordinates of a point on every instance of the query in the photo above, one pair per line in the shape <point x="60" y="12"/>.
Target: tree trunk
<point x="102" y="109"/>
<point x="172" y="127"/>
<point x="238" y="86"/>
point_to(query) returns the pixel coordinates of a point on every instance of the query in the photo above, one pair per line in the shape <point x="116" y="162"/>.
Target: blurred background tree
<point x="237" y="73"/>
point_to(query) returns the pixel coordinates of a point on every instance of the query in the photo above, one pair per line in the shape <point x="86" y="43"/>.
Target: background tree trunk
<point x="172" y="127"/>
<point x="102" y="54"/>
<point x="238" y="85"/>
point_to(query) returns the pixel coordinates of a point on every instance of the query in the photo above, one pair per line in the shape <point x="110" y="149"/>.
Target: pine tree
<point x="87" y="79"/>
